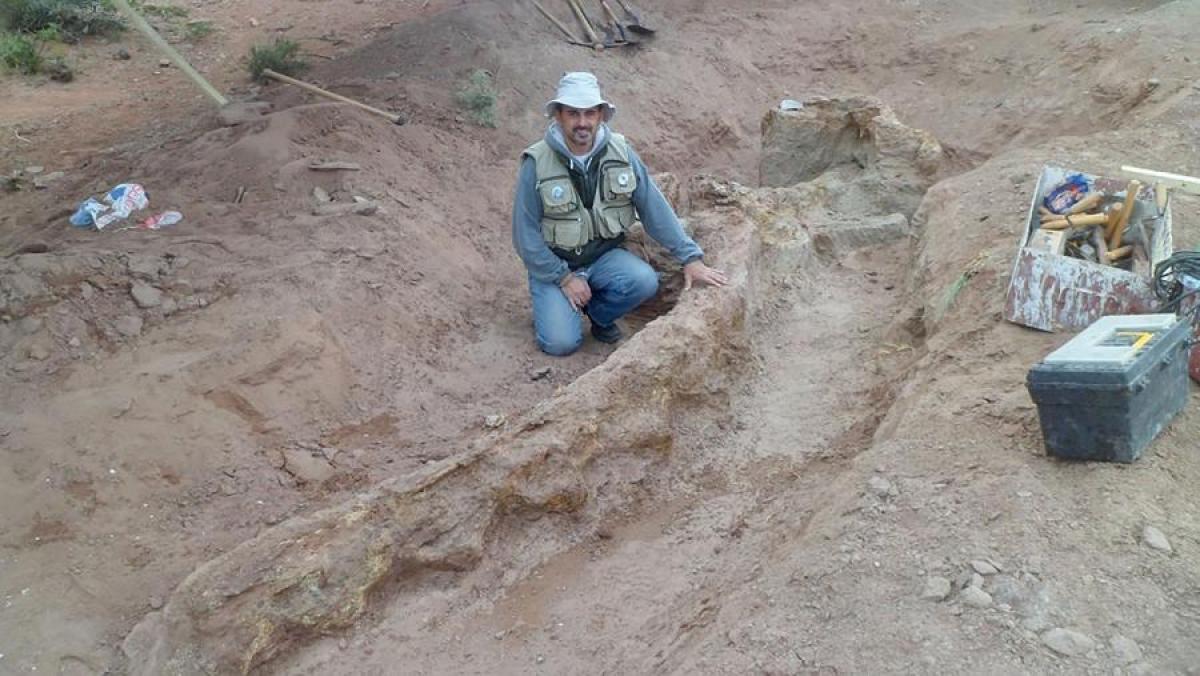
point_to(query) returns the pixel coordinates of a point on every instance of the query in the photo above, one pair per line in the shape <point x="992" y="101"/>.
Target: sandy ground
<point x="294" y="359"/>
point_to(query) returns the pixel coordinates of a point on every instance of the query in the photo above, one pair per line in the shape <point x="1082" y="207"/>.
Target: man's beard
<point x="582" y="135"/>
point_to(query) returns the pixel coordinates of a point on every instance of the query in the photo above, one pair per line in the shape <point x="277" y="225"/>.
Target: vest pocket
<point x="620" y="182"/>
<point x="558" y="197"/>
<point x="615" y="221"/>
<point x="616" y="215"/>
<point x="568" y="235"/>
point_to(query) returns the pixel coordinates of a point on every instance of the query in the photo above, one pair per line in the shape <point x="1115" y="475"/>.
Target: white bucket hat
<point x="581" y="91"/>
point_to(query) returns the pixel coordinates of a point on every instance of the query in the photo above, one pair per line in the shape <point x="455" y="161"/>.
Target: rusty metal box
<point x="1050" y="291"/>
<point x="1107" y="393"/>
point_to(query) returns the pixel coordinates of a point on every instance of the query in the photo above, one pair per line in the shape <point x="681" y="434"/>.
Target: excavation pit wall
<point x="588" y="456"/>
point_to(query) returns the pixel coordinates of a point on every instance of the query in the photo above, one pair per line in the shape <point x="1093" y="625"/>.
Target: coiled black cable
<point x="1168" y="280"/>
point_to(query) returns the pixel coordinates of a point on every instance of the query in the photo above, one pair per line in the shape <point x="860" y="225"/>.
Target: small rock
<point x="540" y="373"/>
<point x="936" y="589"/>
<point x="129" y="326"/>
<point x="881" y="486"/>
<point x="975" y="597"/>
<point x="34" y="170"/>
<point x="499" y="636"/>
<point x="122" y="54"/>
<point x="320" y="195"/>
<point x="1153" y="83"/>
<point x="1155" y="539"/>
<point x="306" y="466"/>
<point x="253" y="22"/>
<point x="145" y="296"/>
<point x="156" y="602"/>
<point x="494" y="421"/>
<point x="74" y="341"/>
<point x="164" y="63"/>
<point x="540" y="659"/>
<point x="43" y="182"/>
<point x="169" y="306"/>
<point x="1068" y="642"/>
<point x="87" y="290"/>
<point x="1126" y="650"/>
<point x="343" y="644"/>
<point x="39" y="353"/>
<point x="976" y="581"/>
<point x="983" y="567"/>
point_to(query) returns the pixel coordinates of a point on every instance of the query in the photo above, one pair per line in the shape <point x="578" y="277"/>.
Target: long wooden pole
<point x="175" y="57"/>
<point x="555" y="21"/>
<point x="396" y="119"/>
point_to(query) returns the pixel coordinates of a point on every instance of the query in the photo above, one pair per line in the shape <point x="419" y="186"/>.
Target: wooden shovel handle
<point x="554" y="20"/>
<point x="395" y="119"/>
<point x="587" y="27"/>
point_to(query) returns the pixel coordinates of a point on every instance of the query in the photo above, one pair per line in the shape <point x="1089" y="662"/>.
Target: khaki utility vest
<point x="566" y="223"/>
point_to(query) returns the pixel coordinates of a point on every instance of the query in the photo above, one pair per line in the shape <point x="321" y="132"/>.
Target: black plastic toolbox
<point x="1107" y="393"/>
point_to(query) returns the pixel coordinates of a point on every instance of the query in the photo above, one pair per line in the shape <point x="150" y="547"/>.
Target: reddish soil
<point x="295" y="360"/>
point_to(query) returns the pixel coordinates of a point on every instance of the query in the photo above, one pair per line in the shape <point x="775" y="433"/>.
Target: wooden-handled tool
<point x="587" y="26"/>
<point x="554" y="20"/>
<point x="393" y="117"/>
<point x="1116" y="229"/>
<point x="1117" y="254"/>
<point x="1101" y="246"/>
<point x="1088" y="203"/>
<point x="1076" y="221"/>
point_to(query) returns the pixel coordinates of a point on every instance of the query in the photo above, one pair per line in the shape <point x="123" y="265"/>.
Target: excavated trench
<point x="727" y="402"/>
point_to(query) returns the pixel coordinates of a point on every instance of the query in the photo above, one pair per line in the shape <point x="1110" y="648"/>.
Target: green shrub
<point x="198" y="30"/>
<point x="71" y="19"/>
<point x="161" y="11"/>
<point x="478" y="96"/>
<point x="20" y="54"/>
<point x="280" y="56"/>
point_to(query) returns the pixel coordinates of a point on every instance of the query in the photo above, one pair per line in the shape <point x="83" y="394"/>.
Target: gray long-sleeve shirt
<point x="652" y="208"/>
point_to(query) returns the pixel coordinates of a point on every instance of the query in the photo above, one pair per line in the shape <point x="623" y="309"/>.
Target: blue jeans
<point x="620" y="282"/>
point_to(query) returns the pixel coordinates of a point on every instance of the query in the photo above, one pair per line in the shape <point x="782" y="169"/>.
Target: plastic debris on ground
<point x="117" y="205"/>
<point x="160" y="221"/>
